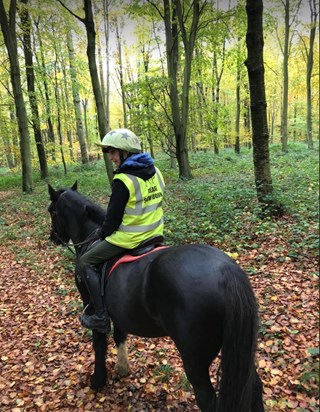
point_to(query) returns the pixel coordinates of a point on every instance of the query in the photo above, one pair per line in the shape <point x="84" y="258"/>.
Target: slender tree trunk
<point x="247" y="115"/>
<point x="8" y="27"/>
<point x="51" y="136"/>
<point x="91" y="53"/>
<point x="285" y="71"/>
<point x="121" y="76"/>
<point x="76" y="101"/>
<point x="237" y="125"/>
<point x="59" y="127"/>
<point x="85" y="116"/>
<point x="174" y="20"/>
<point x="67" y="105"/>
<point x="101" y="75"/>
<point x="26" y="25"/>
<point x="106" y="35"/>
<point x="314" y="16"/>
<point x="260" y="134"/>
<point x="200" y="92"/>
<point x="6" y="137"/>
<point x="13" y="129"/>
<point x="215" y="95"/>
<point x="91" y="48"/>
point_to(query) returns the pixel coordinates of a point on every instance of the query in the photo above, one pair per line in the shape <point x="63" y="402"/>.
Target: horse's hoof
<point x="122" y="371"/>
<point x="98" y="382"/>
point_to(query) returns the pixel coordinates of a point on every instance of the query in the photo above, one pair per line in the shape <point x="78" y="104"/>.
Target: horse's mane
<point x="93" y="211"/>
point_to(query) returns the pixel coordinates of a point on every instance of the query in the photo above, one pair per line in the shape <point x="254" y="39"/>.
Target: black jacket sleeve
<point x="117" y="203"/>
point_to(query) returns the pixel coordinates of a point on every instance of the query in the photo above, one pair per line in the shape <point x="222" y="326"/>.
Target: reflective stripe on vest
<point x="141" y="228"/>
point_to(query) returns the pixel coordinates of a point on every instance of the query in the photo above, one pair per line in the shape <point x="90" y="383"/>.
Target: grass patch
<point x="218" y="206"/>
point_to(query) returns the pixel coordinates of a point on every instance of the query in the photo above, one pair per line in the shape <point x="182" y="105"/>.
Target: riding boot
<point x="99" y="320"/>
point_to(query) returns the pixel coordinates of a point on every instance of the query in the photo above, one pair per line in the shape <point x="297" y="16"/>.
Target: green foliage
<point x="185" y="385"/>
<point x="218" y="206"/>
<point x="164" y="372"/>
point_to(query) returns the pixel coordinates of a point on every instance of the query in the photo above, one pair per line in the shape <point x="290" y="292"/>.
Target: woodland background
<point x="46" y="358"/>
<point x="103" y="64"/>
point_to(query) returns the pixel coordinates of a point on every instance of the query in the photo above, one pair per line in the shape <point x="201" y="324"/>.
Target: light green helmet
<point x="123" y="139"/>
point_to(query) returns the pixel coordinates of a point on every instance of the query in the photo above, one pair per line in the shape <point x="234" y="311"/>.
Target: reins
<point x="68" y="245"/>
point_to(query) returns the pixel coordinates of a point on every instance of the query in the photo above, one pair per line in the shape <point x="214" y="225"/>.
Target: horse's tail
<point x="239" y="344"/>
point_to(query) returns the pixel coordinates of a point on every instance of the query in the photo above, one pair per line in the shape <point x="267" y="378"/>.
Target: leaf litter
<point x="46" y="357"/>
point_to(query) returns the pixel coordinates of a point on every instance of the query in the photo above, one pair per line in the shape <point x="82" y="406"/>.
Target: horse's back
<point x="179" y="285"/>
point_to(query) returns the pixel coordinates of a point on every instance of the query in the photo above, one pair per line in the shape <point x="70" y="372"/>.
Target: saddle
<point x="144" y="248"/>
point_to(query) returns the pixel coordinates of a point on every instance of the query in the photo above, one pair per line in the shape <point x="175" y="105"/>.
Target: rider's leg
<point x="89" y="261"/>
<point x="97" y="320"/>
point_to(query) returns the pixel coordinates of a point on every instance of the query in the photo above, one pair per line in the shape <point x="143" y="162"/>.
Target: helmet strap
<point x="122" y="159"/>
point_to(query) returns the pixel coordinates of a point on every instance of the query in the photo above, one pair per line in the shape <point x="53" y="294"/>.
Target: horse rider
<point x="134" y="214"/>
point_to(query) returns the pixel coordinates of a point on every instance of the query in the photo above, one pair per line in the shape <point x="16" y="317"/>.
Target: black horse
<point x="195" y="294"/>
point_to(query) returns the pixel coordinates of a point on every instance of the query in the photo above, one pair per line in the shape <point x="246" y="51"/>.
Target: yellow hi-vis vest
<point x="143" y="215"/>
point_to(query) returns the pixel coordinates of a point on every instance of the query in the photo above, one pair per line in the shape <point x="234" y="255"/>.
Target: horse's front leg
<point x="99" y="376"/>
<point x="99" y="340"/>
<point x="122" y="365"/>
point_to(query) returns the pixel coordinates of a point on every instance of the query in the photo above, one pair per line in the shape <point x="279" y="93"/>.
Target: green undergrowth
<point x="218" y="206"/>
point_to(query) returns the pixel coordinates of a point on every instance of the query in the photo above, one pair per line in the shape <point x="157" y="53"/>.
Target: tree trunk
<point x="217" y="75"/>
<point x="91" y="53"/>
<point x="26" y="26"/>
<point x="91" y="48"/>
<point x="174" y="19"/>
<point x="285" y="70"/>
<point x="57" y="97"/>
<point x="44" y="76"/>
<point x="247" y="116"/>
<point x="106" y="35"/>
<point x="67" y="106"/>
<point x="314" y="16"/>
<point x="8" y="27"/>
<point x="76" y="101"/>
<point x="260" y="135"/>
<point x="85" y="116"/>
<point x="6" y="137"/>
<point x="121" y="77"/>
<point x="237" y="124"/>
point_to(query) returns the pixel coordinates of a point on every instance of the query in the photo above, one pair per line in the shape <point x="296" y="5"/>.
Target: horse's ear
<point x="53" y="194"/>
<point x="75" y="186"/>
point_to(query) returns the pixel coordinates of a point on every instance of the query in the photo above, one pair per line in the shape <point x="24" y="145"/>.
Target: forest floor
<point x="46" y="357"/>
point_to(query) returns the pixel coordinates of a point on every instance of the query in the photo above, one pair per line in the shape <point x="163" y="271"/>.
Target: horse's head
<point x="58" y="232"/>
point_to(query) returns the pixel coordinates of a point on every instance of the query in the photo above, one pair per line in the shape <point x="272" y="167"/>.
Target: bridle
<point x="90" y="238"/>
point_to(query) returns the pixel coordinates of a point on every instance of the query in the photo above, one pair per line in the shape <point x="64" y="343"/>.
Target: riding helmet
<point x="122" y="139"/>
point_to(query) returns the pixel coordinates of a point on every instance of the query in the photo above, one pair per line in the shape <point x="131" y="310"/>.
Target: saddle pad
<point x="130" y="258"/>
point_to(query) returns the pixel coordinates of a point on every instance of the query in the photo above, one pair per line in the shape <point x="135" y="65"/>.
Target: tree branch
<point x="157" y="8"/>
<point x="71" y="12"/>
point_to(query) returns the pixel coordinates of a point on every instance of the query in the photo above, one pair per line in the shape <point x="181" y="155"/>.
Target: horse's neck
<point x="83" y="231"/>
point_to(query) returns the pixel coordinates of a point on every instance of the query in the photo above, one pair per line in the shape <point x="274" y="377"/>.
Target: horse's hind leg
<point x="257" y="402"/>
<point x="198" y="376"/>
<point x="122" y="365"/>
